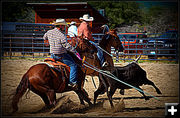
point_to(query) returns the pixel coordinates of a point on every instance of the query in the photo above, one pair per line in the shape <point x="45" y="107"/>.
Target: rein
<point x="105" y="51"/>
<point x="101" y="48"/>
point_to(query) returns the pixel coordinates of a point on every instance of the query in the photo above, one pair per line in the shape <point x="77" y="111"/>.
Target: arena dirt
<point x="165" y="76"/>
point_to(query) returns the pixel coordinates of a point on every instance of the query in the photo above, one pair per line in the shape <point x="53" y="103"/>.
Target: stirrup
<point x="105" y="64"/>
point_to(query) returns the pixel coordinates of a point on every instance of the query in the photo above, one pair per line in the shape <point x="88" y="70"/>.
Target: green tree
<point x="160" y="19"/>
<point x="17" y="12"/>
<point x="119" y="13"/>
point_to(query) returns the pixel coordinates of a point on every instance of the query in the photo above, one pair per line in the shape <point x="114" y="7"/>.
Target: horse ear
<point x="116" y="29"/>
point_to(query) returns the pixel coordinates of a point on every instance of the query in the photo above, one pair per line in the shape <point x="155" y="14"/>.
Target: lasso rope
<point x="107" y="73"/>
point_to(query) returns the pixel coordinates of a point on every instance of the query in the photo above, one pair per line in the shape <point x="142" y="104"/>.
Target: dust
<point x="164" y="76"/>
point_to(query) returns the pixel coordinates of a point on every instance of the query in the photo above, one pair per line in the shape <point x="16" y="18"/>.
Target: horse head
<point x="84" y="47"/>
<point x="113" y="38"/>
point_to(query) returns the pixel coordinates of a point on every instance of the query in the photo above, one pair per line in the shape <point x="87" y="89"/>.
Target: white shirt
<point x="72" y="31"/>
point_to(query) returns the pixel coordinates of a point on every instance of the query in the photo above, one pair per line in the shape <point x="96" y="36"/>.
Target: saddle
<point x="63" y="68"/>
<point x="56" y="64"/>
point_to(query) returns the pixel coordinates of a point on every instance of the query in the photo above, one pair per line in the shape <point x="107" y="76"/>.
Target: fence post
<point x="33" y="45"/>
<point x="10" y="50"/>
<point x="23" y="48"/>
<point x="177" y="50"/>
<point x="136" y="48"/>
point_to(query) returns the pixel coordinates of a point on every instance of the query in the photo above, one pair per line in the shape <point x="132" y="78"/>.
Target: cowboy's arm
<point x="46" y="42"/>
<point x="88" y="33"/>
<point x="66" y="44"/>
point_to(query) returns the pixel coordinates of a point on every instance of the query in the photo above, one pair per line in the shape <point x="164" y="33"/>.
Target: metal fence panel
<point x="25" y="40"/>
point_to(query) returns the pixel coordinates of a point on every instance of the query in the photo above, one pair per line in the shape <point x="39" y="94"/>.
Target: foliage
<point x="119" y="13"/>
<point x="131" y="14"/>
<point x="155" y="18"/>
<point x="17" y="12"/>
<point x="160" y="19"/>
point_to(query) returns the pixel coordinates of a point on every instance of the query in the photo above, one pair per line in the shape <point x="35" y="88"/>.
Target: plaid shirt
<point x="57" y="41"/>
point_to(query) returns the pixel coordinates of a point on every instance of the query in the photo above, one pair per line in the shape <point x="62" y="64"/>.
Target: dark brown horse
<point x="110" y="39"/>
<point x="47" y="81"/>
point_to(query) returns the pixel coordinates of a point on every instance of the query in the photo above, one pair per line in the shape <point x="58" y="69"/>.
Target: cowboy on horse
<point x="85" y="31"/>
<point x="59" y="47"/>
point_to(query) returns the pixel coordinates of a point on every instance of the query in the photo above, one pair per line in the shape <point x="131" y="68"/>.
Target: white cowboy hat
<point x="72" y="23"/>
<point x="86" y="17"/>
<point x="59" y="22"/>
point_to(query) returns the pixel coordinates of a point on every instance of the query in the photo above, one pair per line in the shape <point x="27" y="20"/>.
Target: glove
<point x="78" y="56"/>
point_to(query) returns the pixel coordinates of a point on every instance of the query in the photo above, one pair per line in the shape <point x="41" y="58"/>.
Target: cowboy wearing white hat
<point x="86" y="17"/>
<point x="84" y="29"/>
<point x="72" y="23"/>
<point x="59" y="47"/>
<point x="59" y="22"/>
<point x="72" y="30"/>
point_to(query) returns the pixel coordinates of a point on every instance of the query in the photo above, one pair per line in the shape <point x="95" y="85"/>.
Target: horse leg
<point x="101" y="89"/>
<point x="44" y="89"/>
<point x="151" y="83"/>
<point x="82" y="96"/>
<point x="42" y="95"/>
<point x="86" y="98"/>
<point x="86" y="94"/>
<point x="145" y="97"/>
<point x="20" y="90"/>
<point x="111" y="93"/>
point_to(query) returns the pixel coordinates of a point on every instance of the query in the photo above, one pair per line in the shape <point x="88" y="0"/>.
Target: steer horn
<point x="136" y="60"/>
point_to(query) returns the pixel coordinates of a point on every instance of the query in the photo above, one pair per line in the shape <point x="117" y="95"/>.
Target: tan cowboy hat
<point x="86" y="17"/>
<point x="59" y="22"/>
<point x="72" y="23"/>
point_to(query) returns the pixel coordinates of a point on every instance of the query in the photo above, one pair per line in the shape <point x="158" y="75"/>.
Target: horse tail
<point x="20" y="90"/>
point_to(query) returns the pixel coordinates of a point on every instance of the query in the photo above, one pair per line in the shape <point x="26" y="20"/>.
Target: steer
<point x="132" y="74"/>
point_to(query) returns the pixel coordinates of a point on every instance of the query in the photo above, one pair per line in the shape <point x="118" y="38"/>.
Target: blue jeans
<point x="99" y="53"/>
<point x="68" y="60"/>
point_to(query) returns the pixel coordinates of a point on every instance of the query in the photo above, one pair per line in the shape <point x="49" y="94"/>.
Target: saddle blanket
<point x="55" y="64"/>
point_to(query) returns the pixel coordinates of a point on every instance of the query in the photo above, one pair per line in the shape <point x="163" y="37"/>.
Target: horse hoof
<point x="122" y="92"/>
<point x="13" y="112"/>
<point x="159" y="92"/>
<point x="54" y="104"/>
<point x="91" y="105"/>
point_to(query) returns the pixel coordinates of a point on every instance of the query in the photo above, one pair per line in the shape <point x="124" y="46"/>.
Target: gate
<point x="25" y="40"/>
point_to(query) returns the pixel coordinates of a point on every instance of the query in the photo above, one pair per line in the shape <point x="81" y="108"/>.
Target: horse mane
<point x="111" y="32"/>
<point x="104" y="40"/>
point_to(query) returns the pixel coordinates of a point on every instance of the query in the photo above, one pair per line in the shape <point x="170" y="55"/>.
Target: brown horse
<point x="110" y="39"/>
<point x="46" y="81"/>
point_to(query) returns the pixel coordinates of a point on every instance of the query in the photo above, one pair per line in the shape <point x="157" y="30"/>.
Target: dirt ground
<point x="165" y="77"/>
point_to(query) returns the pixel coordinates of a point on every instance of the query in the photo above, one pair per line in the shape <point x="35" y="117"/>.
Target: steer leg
<point x="151" y="83"/>
<point x="145" y="97"/>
